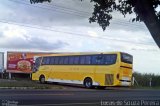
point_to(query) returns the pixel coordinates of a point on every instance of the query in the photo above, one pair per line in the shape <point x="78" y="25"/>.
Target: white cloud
<point x="70" y="32"/>
<point x="146" y="61"/>
<point x="18" y="38"/>
<point x="93" y="34"/>
<point x="14" y="32"/>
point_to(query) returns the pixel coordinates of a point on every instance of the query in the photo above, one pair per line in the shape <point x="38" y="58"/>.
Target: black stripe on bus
<point x="125" y="80"/>
<point x="126" y="67"/>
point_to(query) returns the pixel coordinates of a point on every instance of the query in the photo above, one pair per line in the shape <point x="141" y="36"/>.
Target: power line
<point x="58" y="6"/>
<point x="119" y="22"/>
<point x="88" y="13"/>
<point x="70" y="33"/>
<point x="41" y="7"/>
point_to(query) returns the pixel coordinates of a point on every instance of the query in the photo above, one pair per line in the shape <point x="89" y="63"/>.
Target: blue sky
<point x="62" y="26"/>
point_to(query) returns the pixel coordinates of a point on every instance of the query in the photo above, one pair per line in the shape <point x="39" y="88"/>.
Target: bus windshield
<point x="126" y="58"/>
<point x="37" y="64"/>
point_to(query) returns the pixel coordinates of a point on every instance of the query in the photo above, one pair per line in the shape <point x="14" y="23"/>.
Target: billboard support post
<point x="2" y="75"/>
<point x="1" y="62"/>
<point x="30" y="76"/>
<point x="10" y="76"/>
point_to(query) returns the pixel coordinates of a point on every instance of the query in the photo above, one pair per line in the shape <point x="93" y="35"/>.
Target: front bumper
<point x="125" y="83"/>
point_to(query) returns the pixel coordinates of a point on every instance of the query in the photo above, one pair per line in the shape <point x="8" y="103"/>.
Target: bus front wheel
<point x="42" y="79"/>
<point x="88" y="83"/>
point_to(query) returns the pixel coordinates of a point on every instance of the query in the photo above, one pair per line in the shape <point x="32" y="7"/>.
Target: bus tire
<point x="42" y="79"/>
<point x="88" y="82"/>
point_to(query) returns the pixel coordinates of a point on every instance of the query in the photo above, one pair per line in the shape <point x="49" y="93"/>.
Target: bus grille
<point x="109" y="79"/>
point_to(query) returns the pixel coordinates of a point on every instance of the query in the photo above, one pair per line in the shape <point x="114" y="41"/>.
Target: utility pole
<point x="133" y="79"/>
<point x="150" y="82"/>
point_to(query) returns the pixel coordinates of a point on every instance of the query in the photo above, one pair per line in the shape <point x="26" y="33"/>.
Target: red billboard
<point x="21" y="62"/>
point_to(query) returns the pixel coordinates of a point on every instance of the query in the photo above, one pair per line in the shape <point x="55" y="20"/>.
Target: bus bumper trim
<point x="124" y="83"/>
<point x="69" y="81"/>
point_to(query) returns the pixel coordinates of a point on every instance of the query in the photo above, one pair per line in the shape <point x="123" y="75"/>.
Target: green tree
<point x="143" y="79"/>
<point x="145" y="11"/>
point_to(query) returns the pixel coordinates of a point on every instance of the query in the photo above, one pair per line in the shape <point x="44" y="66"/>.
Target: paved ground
<point x="79" y="96"/>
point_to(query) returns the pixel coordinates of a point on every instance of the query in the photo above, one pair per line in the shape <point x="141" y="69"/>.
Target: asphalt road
<point x="79" y="97"/>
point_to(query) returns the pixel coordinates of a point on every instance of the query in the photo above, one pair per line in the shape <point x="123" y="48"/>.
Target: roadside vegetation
<point x="143" y="81"/>
<point x="26" y="84"/>
<point x="146" y="80"/>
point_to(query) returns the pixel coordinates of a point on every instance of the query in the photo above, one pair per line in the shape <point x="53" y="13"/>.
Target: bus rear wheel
<point x="88" y="83"/>
<point x="42" y="79"/>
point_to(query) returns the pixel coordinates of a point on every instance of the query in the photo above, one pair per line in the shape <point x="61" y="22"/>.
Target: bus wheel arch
<point x="42" y="79"/>
<point x="88" y="82"/>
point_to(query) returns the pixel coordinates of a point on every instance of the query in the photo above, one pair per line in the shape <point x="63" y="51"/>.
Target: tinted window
<point x="88" y="60"/>
<point x="110" y="59"/>
<point x="61" y="60"/>
<point x="82" y="59"/>
<point x="126" y="58"/>
<point x="71" y="60"/>
<point x="43" y="61"/>
<point x="37" y="62"/>
<point x="56" y="60"/>
<point x="52" y="60"/>
<point x="76" y="60"/>
<point x="97" y="59"/>
<point x="65" y="60"/>
<point x="46" y="60"/>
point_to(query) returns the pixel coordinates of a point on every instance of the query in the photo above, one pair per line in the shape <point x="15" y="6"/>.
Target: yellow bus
<point x="89" y="69"/>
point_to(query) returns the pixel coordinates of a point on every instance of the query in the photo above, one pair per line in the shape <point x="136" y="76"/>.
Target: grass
<point x="5" y="83"/>
<point x="29" y="84"/>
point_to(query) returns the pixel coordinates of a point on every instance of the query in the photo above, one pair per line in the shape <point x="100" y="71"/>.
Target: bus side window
<point x="52" y="60"/>
<point x="61" y="59"/>
<point x="82" y="59"/>
<point x="88" y="60"/>
<point x="76" y="59"/>
<point x="71" y="60"/>
<point x="110" y="59"/>
<point x="113" y="58"/>
<point x="97" y="59"/>
<point x="45" y="61"/>
<point x="66" y="60"/>
<point x="56" y="60"/>
<point x="107" y="59"/>
<point x="93" y="61"/>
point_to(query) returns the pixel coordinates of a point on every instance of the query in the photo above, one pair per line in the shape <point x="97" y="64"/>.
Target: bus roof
<point x="79" y="53"/>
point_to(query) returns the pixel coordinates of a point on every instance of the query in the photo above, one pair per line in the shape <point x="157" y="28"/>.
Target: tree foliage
<point x="145" y="10"/>
<point x="103" y="9"/>
<point x="144" y="79"/>
<point x="39" y="1"/>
